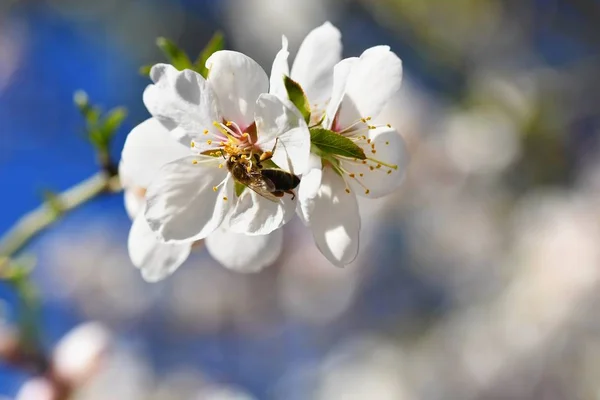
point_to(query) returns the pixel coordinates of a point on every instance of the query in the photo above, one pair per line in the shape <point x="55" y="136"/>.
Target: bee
<point x="270" y="183"/>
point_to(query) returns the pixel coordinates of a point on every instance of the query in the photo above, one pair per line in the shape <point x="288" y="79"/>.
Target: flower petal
<point x="147" y="148"/>
<point x="378" y="177"/>
<point x="156" y="260"/>
<point x="280" y="69"/>
<point x="276" y="118"/>
<point x="134" y="203"/>
<point x="243" y="253"/>
<point x="256" y="215"/>
<point x="335" y="221"/>
<point x="340" y="77"/>
<point x="320" y="51"/>
<point x="183" y="101"/>
<point x="372" y="81"/>
<point x="237" y="81"/>
<point x="309" y="188"/>
<point x="181" y="203"/>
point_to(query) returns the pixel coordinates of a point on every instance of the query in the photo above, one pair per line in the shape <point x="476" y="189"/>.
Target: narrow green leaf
<point x="330" y="143"/>
<point x="113" y="120"/>
<point x="145" y="70"/>
<point x="216" y="43"/>
<point x="298" y="97"/>
<point x="174" y="54"/>
<point x="89" y="112"/>
<point x="239" y="189"/>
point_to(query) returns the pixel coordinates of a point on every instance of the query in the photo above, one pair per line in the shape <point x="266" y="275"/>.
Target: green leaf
<point x="330" y="143"/>
<point x="239" y="188"/>
<point x="145" y="70"/>
<point x="113" y="120"/>
<point x="298" y="97"/>
<point x="174" y="54"/>
<point x="89" y="112"/>
<point x="216" y="43"/>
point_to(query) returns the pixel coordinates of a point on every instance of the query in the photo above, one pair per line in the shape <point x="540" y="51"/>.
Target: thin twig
<point x="32" y="223"/>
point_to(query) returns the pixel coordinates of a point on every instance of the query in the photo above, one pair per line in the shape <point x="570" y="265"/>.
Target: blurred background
<point x="477" y="280"/>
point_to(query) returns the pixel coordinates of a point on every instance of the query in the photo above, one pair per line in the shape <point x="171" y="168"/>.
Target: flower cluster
<point x="230" y="158"/>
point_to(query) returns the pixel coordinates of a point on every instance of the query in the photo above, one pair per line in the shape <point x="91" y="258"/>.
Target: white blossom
<point x="149" y="146"/>
<point x="344" y="97"/>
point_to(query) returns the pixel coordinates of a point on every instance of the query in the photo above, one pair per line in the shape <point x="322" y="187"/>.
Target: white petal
<point x="147" y="148"/>
<point x="256" y="215"/>
<point x="182" y="205"/>
<point x="243" y="253"/>
<point x="276" y="118"/>
<point x="280" y="69"/>
<point x="379" y="176"/>
<point x="372" y="81"/>
<point x="237" y="80"/>
<point x="134" y="203"/>
<point x="320" y="51"/>
<point x="335" y="222"/>
<point x="340" y="77"/>
<point x="156" y="260"/>
<point x="183" y="101"/>
<point x="309" y="188"/>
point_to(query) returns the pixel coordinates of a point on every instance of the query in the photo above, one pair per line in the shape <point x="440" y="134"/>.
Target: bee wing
<point x="263" y="186"/>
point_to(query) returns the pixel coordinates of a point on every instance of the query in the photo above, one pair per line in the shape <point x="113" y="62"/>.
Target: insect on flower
<point x="271" y="183"/>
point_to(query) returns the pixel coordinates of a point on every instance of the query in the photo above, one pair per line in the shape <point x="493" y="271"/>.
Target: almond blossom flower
<point x="344" y="96"/>
<point x="148" y="148"/>
<point x="226" y="114"/>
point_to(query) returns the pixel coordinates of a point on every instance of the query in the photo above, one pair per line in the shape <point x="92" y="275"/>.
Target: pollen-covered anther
<point x="364" y="161"/>
<point x="228" y="123"/>
<point x="387" y="143"/>
<point x="195" y="162"/>
<point x="192" y="144"/>
<point x="373" y="151"/>
<point x="389" y="125"/>
<point x="361" y="174"/>
<point x="225" y="198"/>
<point x="367" y="191"/>
<point x="209" y="142"/>
<point x="372" y="127"/>
<point x="372" y="168"/>
<point x="378" y="166"/>
<point x="347" y="190"/>
<point x="352" y="175"/>
<point x="389" y="171"/>
<point x="206" y="131"/>
<point x="215" y="188"/>
<point x="220" y="165"/>
<point x="369" y="141"/>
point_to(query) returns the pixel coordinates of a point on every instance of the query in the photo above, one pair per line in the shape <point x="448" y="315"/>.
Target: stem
<point x="32" y="223"/>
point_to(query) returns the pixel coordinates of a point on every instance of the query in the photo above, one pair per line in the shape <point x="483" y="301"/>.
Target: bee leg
<point x="292" y="193"/>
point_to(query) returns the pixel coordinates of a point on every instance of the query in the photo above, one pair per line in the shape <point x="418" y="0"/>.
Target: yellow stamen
<point x="215" y="188"/>
<point x="206" y="131"/>
<point x="209" y="142"/>
<point x="367" y="191"/>
<point x="195" y="162"/>
<point x="347" y="190"/>
<point x="225" y="198"/>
